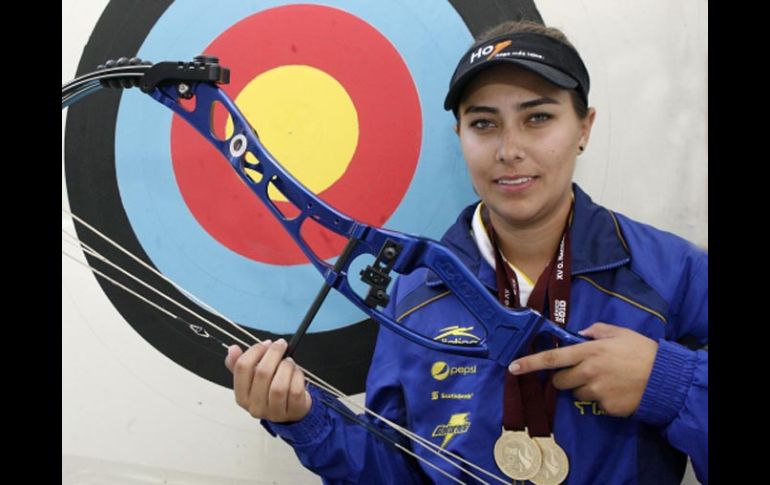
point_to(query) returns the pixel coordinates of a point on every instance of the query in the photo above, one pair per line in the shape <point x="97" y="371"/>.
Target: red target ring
<point x="386" y="103"/>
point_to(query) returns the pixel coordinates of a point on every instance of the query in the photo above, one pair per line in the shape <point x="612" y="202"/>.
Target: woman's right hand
<point x="266" y="385"/>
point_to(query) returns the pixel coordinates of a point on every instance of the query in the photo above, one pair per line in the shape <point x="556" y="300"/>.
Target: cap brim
<point x="545" y="71"/>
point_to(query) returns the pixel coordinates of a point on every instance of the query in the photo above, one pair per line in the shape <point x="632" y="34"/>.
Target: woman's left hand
<point x="612" y="369"/>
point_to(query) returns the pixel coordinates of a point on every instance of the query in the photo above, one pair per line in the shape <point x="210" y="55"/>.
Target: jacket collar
<point x="596" y="240"/>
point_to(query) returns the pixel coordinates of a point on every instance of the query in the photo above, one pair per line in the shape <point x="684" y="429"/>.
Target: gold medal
<point x="555" y="466"/>
<point x="517" y="455"/>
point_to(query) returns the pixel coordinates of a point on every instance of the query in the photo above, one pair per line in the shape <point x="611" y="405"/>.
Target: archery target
<point x="348" y="94"/>
<point x="340" y="112"/>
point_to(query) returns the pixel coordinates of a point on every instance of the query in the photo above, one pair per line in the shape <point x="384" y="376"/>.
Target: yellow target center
<point x="306" y="119"/>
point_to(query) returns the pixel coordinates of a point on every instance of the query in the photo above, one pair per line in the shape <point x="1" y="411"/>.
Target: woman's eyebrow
<point x="521" y="107"/>
<point x="536" y="102"/>
<point x="480" y="109"/>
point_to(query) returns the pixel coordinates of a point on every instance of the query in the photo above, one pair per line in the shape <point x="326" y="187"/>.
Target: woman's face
<point x="520" y="136"/>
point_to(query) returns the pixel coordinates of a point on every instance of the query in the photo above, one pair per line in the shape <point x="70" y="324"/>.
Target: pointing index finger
<point x="549" y="359"/>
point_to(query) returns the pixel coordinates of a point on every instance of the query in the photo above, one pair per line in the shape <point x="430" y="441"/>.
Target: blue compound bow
<point x="508" y="332"/>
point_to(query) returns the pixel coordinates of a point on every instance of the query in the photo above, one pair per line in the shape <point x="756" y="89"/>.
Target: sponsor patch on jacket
<point x="589" y="408"/>
<point x="458" y="424"/>
<point x="457" y="335"/>
<point x="440" y="370"/>
<point x="438" y="395"/>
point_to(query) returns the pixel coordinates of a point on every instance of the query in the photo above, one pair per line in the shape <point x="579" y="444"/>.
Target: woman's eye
<point x="481" y="124"/>
<point x="540" y="117"/>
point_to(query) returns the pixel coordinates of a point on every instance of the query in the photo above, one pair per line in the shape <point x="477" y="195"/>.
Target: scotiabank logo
<point x="440" y="370"/>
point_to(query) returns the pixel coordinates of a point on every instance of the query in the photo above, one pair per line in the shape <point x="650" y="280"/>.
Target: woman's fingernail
<point x="514" y="368"/>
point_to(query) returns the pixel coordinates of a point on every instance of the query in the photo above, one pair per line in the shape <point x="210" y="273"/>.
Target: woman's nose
<point x="510" y="148"/>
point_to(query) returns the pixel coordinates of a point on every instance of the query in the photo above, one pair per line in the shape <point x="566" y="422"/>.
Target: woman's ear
<point x="585" y="128"/>
<point x="457" y="128"/>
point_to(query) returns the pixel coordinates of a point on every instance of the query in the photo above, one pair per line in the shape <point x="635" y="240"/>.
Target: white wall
<point x="648" y="153"/>
<point x="129" y="415"/>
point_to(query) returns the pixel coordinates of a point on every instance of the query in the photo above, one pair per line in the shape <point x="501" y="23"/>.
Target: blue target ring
<point x="272" y="297"/>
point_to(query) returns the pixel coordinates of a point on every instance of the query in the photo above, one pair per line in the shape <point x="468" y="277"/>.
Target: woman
<point x="626" y="407"/>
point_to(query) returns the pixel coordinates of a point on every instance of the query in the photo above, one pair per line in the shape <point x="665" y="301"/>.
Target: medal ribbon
<point x="527" y="403"/>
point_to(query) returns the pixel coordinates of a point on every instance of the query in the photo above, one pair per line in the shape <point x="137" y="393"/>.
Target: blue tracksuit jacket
<point x="624" y="273"/>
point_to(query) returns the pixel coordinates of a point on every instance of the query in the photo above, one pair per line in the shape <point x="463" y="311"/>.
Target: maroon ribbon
<point x="528" y="403"/>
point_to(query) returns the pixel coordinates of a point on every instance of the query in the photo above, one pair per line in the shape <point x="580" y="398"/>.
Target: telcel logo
<point x="441" y="370"/>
